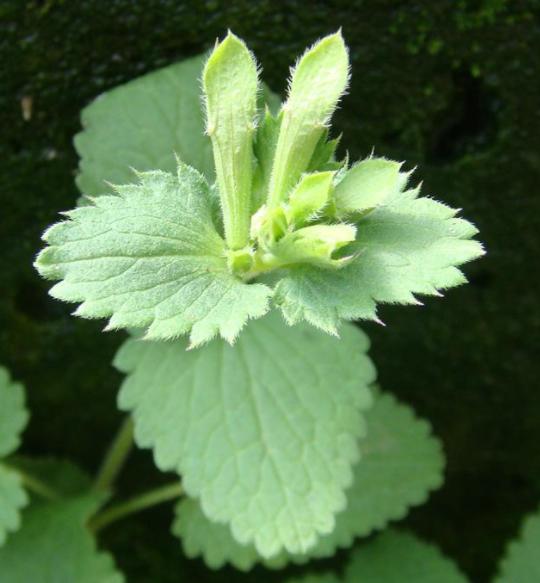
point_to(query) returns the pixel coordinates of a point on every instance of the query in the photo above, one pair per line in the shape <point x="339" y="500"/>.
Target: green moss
<point x="449" y="86"/>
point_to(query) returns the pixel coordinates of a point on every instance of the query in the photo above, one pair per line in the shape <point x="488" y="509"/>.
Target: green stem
<point x="32" y="483"/>
<point x="135" y="504"/>
<point x="115" y="457"/>
<point x="36" y="486"/>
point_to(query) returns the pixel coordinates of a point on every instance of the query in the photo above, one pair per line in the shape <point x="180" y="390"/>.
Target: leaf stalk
<point x="115" y="457"/>
<point x="135" y="504"/>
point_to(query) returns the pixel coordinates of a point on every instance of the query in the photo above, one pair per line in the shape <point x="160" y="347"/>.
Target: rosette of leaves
<point x="314" y="238"/>
<point x="264" y="433"/>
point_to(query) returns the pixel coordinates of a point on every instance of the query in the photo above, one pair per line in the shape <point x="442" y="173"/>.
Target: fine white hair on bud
<point x="230" y="87"/>
<point x="317" y="82"/>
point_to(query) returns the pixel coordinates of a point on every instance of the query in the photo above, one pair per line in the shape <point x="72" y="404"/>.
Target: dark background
<point x="450" y="86"/>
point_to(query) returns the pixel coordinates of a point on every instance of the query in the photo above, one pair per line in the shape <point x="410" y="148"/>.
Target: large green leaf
<point x="142" y="125"/>
<point x="399" y="557"/>
<point x="151" y="257"/>
<point x="405" y="246"/>
<point x="401" y="462"/>
<point x="54" y="546"/>
<point x="521" y="563"/>
<point x="264" y="433"/>
<point x="13" y="419"/>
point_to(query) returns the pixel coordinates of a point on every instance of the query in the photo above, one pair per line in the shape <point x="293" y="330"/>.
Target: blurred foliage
<point x="447" y="85"/>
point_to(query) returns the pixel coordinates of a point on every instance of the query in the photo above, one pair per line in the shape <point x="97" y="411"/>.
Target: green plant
<point x="276" y="428"/>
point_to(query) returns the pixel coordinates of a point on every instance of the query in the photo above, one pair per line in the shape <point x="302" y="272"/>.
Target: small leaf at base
<point x="13" y="413"/>
<point x="521" y="562"/>
<point x="399" y="557"/>
<point x="13" y="499"/>
<point x="54" y="546"/>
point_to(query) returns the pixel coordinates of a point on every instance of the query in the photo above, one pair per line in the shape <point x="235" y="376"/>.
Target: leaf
<point x="142" y="124"/>
<point x="318" y="578"/>
<point x="521" y="563"/>
<point x="13" y="420"/>
<point x="214" y="541"/>
<point x="400" y="463"/>
<point x="264" y="148"/>
<point x="324" y="156"/>
<point x="63" y="476"/>
<point x="12" y="499"/>
<point x="230" y="83"/>
<point x="54" y="546"/>
<point x="150" y="257"/>
<point x="315" y="244"/>
<point x="317" y="82"/>
<point x="396" y="557"/>
<point x="13" y="413"/>
<point x="309" y="197"/>
<point x="262" y="433"/>
<point x="368" y="184"/>
<point x="408" y="246"/>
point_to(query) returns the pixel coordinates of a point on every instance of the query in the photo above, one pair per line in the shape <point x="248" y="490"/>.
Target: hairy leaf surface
<point x="264" y="434"/>
<point x="368" y="184"/>
<point x="150" y="257"/>
<point x="408" y="245"/>
<point x="54" y="546"/>
<point x="396" y="557"/>
<point x="400" y="463"/>
<point x="522" y="560"/>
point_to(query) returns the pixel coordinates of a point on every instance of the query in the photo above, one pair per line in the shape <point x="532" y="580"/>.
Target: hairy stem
<point x="135" y="504"/>
<point x="115" y="457"/>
